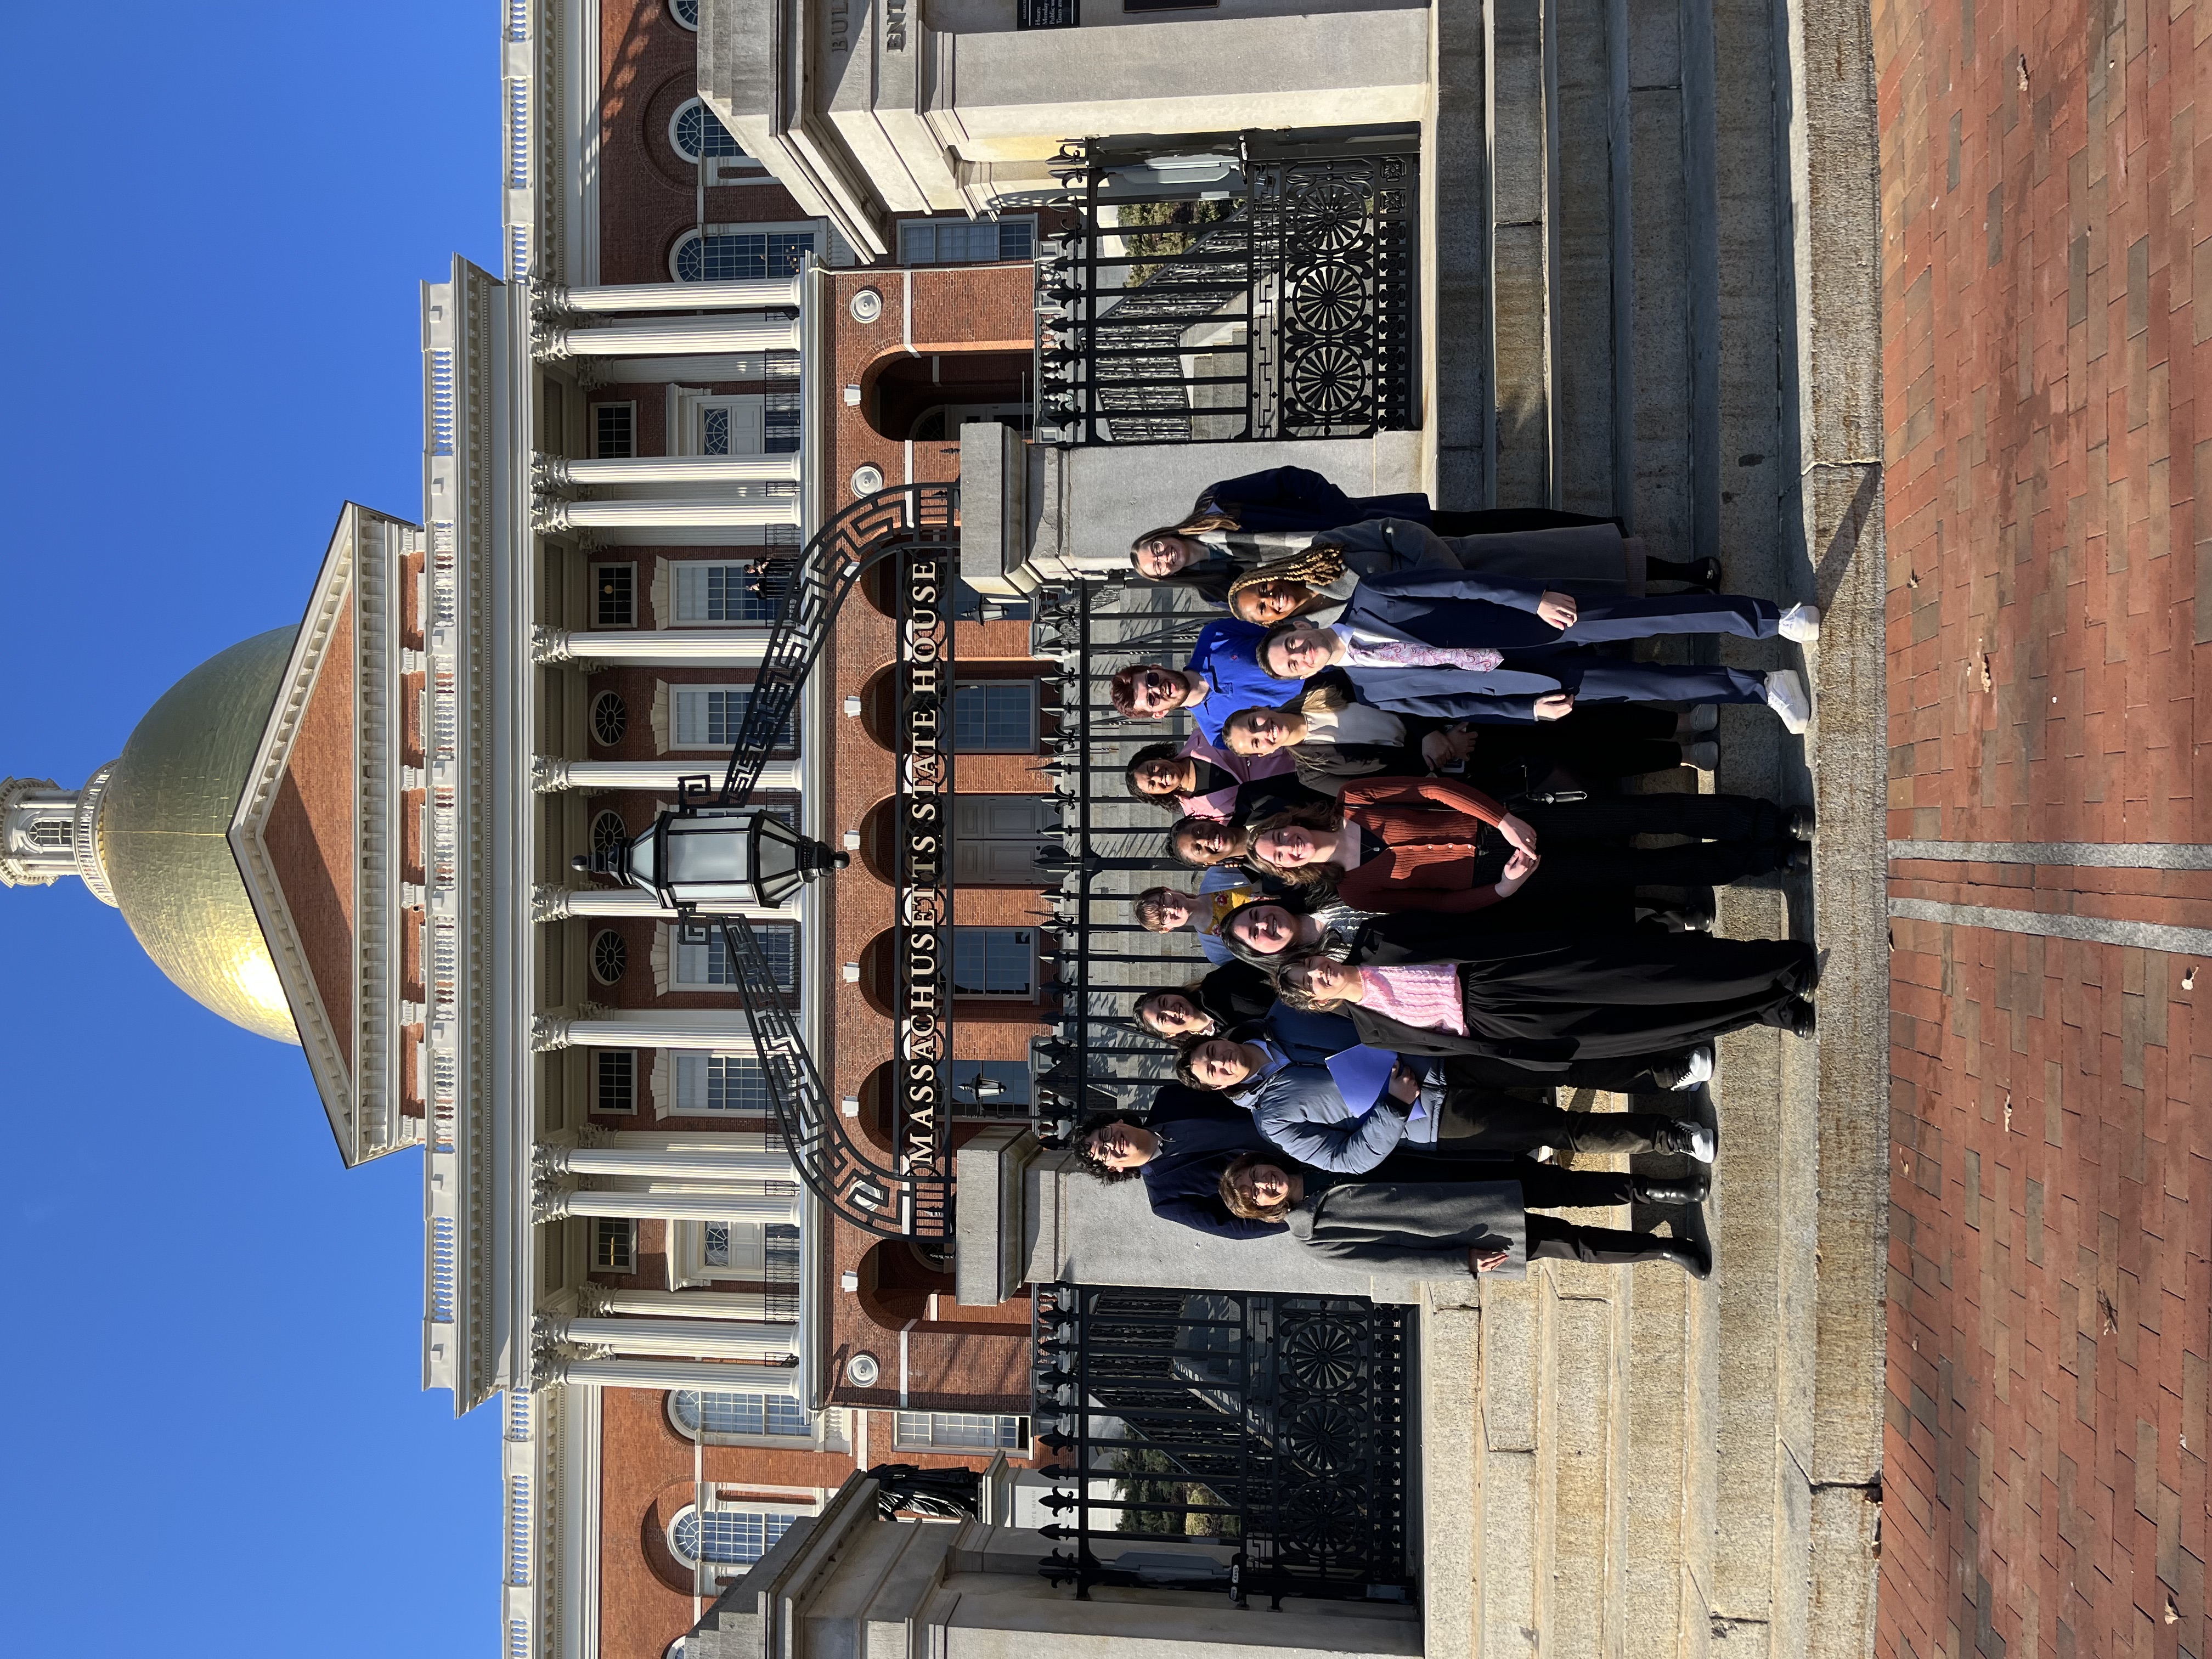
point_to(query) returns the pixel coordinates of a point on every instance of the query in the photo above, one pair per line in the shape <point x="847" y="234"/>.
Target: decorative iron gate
<point x="1271" y="1427"/>
<point x="1264" y="292"/>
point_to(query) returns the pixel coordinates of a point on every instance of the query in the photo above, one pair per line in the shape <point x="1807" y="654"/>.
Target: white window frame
<point x="674" y="12"/>
<point x="826" y="246"/>
<point x="687" y="1255"/>
<point x="594" y="408"/>
<point x="720" y="169"/>
<point x="598" y="1061"/>
<point x="677" y="949"/>
<point x="826" y="1430"/>
<point x="636" y="599"/>
<point x="905" y="225"/>
<point x="1036" y="705"/>
<point x="1028" y="994"/>
<point x="687" y="419"/>
<point x="938" y="1435"/>
<point x="682" y="1060"/>
<point x="676" y="567"/>
<point x="606" y="1226"/>
<point x="677" y="690"/>
<point x="719" y="1572"/>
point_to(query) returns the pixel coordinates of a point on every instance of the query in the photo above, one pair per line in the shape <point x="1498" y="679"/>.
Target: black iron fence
<point x="1265" y="1435"/>
<point x="1260" y="291"/>
<point x="1113" y="847"/>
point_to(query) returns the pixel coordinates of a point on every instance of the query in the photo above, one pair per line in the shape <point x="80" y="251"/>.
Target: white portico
<point x="868" y="109"/>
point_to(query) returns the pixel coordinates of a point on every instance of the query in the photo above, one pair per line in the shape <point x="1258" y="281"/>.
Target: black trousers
<point x="1647" y="1074"/>
<point x="1553" y="1240"/>
<point x="1510" y="521"/>
<point x="1543" y="1185"/>
<point x="1483" y="1120"/>
<point x="1602" y="742"/>
<point x="1612" y="821"/>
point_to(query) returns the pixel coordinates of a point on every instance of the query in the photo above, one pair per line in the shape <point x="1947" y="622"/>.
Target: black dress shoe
<point x="1676" y="1192"/>
<point x="1693" y="1256"/>
<point x="1799" y="858"/>
<point x="1796" y="1017"/>
<point x="1708" y="576"/>
<point x="1800" y="823"/>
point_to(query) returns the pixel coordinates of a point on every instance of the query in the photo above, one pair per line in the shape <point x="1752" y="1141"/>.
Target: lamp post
<point x="701" y="859"/>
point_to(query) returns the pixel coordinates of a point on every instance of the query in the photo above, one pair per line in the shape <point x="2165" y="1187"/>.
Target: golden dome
<point x="164" y="833"/>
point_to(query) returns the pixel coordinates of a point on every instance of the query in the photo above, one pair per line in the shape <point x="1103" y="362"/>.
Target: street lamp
<point x="712" y="861"/>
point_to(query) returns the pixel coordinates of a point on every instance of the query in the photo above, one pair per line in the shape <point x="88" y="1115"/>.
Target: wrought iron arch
<point x="912" y="1195"/>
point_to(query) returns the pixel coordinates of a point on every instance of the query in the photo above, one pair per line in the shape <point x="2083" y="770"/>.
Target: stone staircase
<point x="1623" y="322"/>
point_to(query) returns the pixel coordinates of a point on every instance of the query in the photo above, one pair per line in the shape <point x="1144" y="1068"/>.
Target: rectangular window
<point x="996" y="839"/>
<point x="614" y="431"/>
<point x="614" y="1244"/>
<point x="721" y="1083"/>
<point x="983" y="1090"/>
<point x="614" y="595"/>
<point x="994" y="962"/>
<point x="995" y="717"/>
<point x="711" y="716"/>
<point x="706" y="965"/>
<point x="747" y="594"/>
<point x="959" y="1432"/>
<point x="617" y="1094"/>
<point x="965" y="241"/>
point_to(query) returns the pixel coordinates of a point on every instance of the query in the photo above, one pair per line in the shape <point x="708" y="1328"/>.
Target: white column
<point x="550" y="774"/>
<point x="703" y="1374"/>
<point x="688" y="1339"/>
<point x="709" y="1028"/>
<point x="671" y="514"/>
<point x="672" y="1206"/>
<point x="672" y="296"/>
<point x="751" y="331"/>
<point x="692" y="647"/>
<point x="701" y="1162"/>
<point x="559" y="903"/>
<point x="676" y="1304"/>
<point x="782" y="467"/>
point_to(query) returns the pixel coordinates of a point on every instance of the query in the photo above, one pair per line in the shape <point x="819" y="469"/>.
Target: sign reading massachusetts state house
<point x="923" y="1060"/>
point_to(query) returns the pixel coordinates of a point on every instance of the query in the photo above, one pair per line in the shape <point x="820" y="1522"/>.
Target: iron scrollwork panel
<point x="1272" y="1428"/>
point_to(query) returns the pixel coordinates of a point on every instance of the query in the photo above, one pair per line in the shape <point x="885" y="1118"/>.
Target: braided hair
<point x="1315" y="569"/>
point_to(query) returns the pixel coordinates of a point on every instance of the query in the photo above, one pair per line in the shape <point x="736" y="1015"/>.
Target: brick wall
<point x="2044" y="1478"/>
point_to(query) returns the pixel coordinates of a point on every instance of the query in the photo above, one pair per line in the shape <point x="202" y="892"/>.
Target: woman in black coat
<point x="1239" y="524"/>
<point x="1545" y="997"/>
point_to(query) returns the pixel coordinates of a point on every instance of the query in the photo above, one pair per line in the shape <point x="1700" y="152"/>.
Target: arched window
<point x="685" y="12"/>
<point x="739" y="256"/>
<point x="737" y="1537"/>
<point x="697" y="132"/>
<point x="720" y="1413"/>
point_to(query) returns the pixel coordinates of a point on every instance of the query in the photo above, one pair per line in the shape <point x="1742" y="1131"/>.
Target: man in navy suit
<point x="1180" y="1151"/>
<point x="1454" y="644"/>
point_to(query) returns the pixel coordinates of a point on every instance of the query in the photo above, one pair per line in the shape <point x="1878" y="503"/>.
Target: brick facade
<point x="2044" y="1478"/>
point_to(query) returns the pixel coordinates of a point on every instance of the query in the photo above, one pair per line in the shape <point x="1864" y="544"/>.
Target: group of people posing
<point x="1425" y="909"/>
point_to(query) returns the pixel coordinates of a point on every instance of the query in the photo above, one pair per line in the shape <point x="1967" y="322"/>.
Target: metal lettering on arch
<point x="922" y="1062"/>
<point x="911" y="534"/>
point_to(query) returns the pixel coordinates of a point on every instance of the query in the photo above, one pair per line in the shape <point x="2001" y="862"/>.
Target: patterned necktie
<point x="1404" y="654"/>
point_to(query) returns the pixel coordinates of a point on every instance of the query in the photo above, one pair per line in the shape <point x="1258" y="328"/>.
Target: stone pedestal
<point x="1072" y="1226"/>
<point x="1033" y="513"/>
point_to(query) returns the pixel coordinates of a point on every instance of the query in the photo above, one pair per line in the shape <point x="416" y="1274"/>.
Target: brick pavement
<point x="2052" y="1105"/>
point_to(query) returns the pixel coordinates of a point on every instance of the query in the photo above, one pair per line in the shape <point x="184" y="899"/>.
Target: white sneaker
<point x="1702" y="1144"/>
<point x="1702" y="718"/>
<point x="1703" y="756"/>
<point x="1700" y="1068"/>
<point x="1800" y="623"/>
<point x="1786" y="696"/>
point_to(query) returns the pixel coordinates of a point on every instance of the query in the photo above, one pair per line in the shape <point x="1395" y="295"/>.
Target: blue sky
<point x="212" y="1386"/>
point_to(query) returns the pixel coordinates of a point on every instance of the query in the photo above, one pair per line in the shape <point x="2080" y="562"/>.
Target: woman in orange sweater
<point x="1438" y="844"/>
